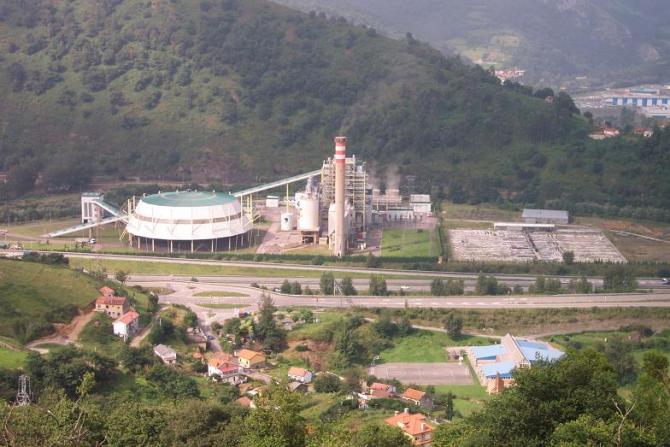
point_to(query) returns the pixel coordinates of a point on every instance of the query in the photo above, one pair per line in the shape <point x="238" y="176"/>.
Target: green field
<point x="407" y="242"/>
<point x="469" y="398"/>
<point x="425" y="347"/>
<point x="218" y="293"/>
<point x="12" y="359"/>
<point x="31" y="292"/>
<point x="166" y="268"/>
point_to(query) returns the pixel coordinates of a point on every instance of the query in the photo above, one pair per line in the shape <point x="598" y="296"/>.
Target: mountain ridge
<point x="554" y="41"/>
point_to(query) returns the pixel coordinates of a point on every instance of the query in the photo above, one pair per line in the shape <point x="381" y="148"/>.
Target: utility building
<point x="533" y="216"/>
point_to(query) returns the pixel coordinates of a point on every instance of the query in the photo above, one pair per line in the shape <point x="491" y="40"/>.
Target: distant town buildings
<point x="509" y="74"/>
<point x="651" y="101"/>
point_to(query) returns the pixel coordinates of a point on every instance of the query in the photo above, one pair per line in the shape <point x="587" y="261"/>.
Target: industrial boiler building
<point x="188" y="221"/>
<point x="356" y="191"/>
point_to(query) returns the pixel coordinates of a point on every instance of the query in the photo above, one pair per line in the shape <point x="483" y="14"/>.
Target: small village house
<point x="413" y="426"/>
<point x="166" y="354"/>
<point x="113" y="306"/>
<point x="226" y="368"/>
<point x="127" y="324"/>
<point x="418" y="398"/>
<point x="222" y="363"/>
<point x="249" y="359"/>
<point x="301" y="375"/>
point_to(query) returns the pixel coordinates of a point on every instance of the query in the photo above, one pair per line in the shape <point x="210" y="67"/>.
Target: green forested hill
<point x="555" y="41"/>
<point x="205" y="88"/>
<point x="237" y="91"/>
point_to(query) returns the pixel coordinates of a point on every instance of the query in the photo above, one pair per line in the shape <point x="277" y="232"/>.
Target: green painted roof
<point x="189" y="198"/>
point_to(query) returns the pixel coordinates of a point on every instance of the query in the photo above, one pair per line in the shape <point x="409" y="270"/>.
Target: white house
<point x="301" y="375"/>
<point x="127" y="324"/>
<point x="166" y="354"/>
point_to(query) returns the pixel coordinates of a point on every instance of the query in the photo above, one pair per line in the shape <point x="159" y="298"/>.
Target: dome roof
<point x="191" y="199"/>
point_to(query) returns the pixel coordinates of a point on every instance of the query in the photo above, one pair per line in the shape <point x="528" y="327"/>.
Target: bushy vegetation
<point x="571" y="402"/>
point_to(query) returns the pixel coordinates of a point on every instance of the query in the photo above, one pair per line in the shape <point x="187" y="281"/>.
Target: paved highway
<point x="507" y="279"/>
<point x="184" y="293"/>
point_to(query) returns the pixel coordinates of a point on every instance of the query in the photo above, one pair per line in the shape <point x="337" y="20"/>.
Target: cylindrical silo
<point x="309" y="213"/>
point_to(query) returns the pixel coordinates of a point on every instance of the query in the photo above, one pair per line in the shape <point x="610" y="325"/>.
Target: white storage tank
<point x="287" y="221"/>
<point x="308" y="219"/>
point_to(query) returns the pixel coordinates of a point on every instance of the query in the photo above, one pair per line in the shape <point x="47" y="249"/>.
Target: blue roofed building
<point x="495" y="364"/>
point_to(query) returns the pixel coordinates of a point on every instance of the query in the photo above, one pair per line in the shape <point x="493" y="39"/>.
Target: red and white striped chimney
<point x="340" y="227"/>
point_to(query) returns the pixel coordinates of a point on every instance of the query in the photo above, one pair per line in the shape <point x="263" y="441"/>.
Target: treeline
<point x="521" y="320"/>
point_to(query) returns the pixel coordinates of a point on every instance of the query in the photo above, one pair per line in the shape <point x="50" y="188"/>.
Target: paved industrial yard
<point x="588" y="245"/>
<point x="424" y="373"/>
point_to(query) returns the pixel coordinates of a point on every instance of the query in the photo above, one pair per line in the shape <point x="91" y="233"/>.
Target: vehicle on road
<point x="91" y="241"/>
<point x="210" y="337"/>
<point x="665" y="282"/>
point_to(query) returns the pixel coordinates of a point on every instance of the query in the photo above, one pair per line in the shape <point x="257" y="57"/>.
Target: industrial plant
<point x="335" y="210"/>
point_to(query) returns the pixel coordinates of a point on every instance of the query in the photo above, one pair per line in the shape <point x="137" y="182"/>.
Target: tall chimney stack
<point x="340" y="229"/>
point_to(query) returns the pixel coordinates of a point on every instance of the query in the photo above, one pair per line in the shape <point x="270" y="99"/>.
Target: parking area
<point x="424" y="373"/>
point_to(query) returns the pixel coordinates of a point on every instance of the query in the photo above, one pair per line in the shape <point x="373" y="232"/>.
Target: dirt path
<point x="135" y="343"/>
<point x="65" y="334"/>
<point x="78" y="324"/>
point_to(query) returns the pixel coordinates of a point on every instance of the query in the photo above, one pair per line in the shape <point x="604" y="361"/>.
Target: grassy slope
<point x="29" y="290"/>
<point x="425" y="347"/>
<point x="12" y="359"/>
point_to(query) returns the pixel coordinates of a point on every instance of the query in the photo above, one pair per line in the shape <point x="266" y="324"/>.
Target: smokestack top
<point x="341" y="141"/>
<point x="340" y="149"/>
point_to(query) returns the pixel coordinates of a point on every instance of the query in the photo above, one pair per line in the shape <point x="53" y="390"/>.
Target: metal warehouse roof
<point x="189" y="199"/>
<point x="544" y="214"/>
<point x="503" y="368"/>
<point x="534" y="350"/>
<point x="487" y="352"/>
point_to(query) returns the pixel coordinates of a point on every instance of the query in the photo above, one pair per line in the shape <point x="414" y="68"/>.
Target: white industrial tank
<point x="287" y="221"/>
<point x="308" y="219"/>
